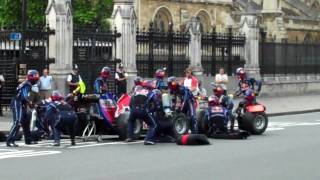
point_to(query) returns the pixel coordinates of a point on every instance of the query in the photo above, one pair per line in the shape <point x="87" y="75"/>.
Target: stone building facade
<point x="282" y="20"/>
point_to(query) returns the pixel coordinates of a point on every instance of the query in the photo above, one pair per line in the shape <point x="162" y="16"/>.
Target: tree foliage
<point x="85" y="12"/>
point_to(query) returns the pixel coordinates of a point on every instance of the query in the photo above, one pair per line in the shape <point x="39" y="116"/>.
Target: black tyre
<point x="122" y="127"/>
<point x="180" y="124"/>
<point x="2" y="137"/>
<point x="254" y="123"/>
<point x="202" y="123"/>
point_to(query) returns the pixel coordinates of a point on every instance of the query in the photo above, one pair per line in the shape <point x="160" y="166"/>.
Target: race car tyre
<point x="2" y="137"/>
<point x="180" y="124"/>
<point x="122" y="127"/>
<point x="256" y="124"/>
<point x="202" y="123"/>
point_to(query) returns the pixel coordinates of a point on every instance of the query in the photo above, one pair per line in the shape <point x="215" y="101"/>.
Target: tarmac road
<point x="289" y="150"/>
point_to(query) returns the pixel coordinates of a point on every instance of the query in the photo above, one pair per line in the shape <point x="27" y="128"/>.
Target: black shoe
<point x="149" y="143"/>
<point x="31" y="142"/>
<point x="129" y="140"/>
<point x="73" y="143"/>
<point x="12" y="144"/>
<point x="56" y="144"/>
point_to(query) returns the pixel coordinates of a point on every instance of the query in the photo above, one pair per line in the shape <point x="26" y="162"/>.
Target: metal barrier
<point x="93" y="49"/>
<point x="20" y="51"/>
<point x="222" y="50"/>
<point x="157" y="49"/>
<point x="289" y="58"/>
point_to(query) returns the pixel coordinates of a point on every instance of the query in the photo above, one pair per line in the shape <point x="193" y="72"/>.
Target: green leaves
<point x="85" y="12"/>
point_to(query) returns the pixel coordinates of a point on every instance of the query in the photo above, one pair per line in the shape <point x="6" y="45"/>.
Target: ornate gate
<point x="92" y="50"/>
<point x="20" y="51"/>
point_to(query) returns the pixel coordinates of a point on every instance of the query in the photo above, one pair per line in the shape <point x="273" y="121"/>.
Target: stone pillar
<point x="59" y="18"/>
<point x="250" y="27"/>
<point x="195" y="46"/>
<point x="125" y="21"/>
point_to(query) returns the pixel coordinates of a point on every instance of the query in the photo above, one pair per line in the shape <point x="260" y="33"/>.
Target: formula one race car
<point x="108" y="116"/>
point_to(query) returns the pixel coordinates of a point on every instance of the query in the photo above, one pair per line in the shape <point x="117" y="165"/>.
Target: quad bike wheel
<point x="254" y="123"/>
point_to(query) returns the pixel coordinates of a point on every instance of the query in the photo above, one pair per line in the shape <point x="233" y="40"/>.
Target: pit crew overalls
<point x="141" y="108"/>
<point x="61" y="115"/>
<point x="251" y="83"/>
<point x="187" y="106"/>
<point x="19" y="106"/>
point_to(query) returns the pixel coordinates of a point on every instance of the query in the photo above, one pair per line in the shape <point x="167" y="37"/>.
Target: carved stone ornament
<point x="194" y="25"/>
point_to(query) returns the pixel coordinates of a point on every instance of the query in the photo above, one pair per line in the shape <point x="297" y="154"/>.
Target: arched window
<point x="162" y="19"/>
<point x="205" y="20"/>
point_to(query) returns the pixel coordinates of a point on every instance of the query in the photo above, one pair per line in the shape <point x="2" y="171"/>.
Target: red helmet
<point x="105" y="72"/>
<point x="249" y="95"/>
<point x="173" y="84"/>
<point x="138" y="81"/>
<point x="56" y="96"/>
<point x="218" y="91"/>
<point x="241" y="73"/>
<point x="33" y="76"/>
<point x="213" y="100"/>
<point x="160" y="73"/>
<point x="148" y="84"/>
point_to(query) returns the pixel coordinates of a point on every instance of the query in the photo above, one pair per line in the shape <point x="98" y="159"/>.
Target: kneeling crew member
<point x="61" y="115"/>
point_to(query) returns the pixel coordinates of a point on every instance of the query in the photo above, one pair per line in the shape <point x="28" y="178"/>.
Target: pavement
<point x="288" y="150"/>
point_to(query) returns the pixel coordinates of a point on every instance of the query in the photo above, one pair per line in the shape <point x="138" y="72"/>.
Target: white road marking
<point x="9" y="153"/>
<point x="102" y="144"/>
<point x="274" y="126"/>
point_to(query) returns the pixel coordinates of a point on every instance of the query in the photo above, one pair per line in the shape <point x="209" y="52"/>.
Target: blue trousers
<point x="190" y="110"/>
<point x="148" y="118"/>
<point x="20" y="118"/>
<point x="65" y="121"/>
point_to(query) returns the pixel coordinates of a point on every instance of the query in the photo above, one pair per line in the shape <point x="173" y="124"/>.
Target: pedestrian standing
<point x="191" y="82"/>
<point x="222" y="80"/>
<point x="121" y="80"/>
<point x="2" y="80"/>
<point x="45" y="84"/>
<point x="73" y="79"/>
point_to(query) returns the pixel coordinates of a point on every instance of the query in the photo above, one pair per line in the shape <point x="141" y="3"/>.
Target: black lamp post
<point x="23" y="27"/>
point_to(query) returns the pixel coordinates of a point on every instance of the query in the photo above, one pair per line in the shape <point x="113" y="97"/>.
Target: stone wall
<point x="219" y="12"/>
<point x="291" y="85"/>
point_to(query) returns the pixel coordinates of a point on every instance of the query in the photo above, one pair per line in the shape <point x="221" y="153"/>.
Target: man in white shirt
<point x="222" y="79"/>
<point x="45" y="84"/>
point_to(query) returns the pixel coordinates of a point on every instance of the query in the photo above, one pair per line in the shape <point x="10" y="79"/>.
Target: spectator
<point x="74" y="79"/>
<point x="191" y="82"/>
<point x="121" y="80"/>
<point x="2" y="80"/>
<point x="222" y="80"/>
<point x="45" y="84"/>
